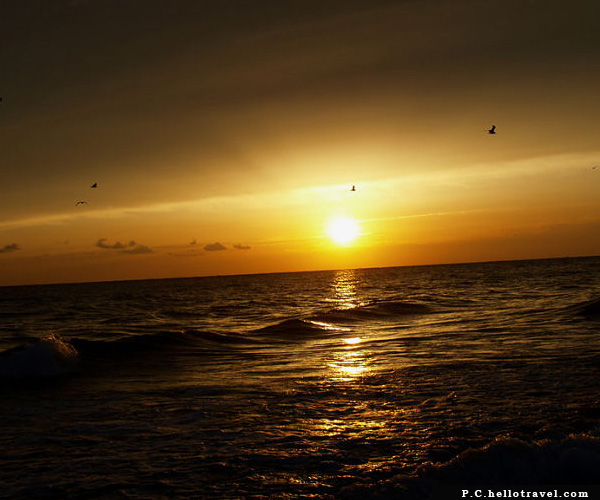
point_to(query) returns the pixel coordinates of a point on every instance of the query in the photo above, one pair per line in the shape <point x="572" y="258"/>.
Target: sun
<point x="343" y="230"/>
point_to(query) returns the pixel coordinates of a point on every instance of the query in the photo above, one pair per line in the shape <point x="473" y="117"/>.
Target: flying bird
<point x="80" y="203"/>
<point x="94" y="185"/>
<point x="492" y="130"/>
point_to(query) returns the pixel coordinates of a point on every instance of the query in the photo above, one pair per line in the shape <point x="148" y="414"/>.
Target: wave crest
<point x="295" y="327"/>
<point x="591" y="308"/>
<point x="375" y="311"/>
<point x="174" y="339"/>
<point x="51" y="356"/>
<point x="333" y="321"/>
<point x="570" y="460"/>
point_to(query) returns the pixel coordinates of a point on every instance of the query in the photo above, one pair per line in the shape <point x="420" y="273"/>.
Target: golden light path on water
<point x="347" y="361"/>
<point x="344" y="290"/>
<point x="350" y="364"/>
<point x="351" y="360"/>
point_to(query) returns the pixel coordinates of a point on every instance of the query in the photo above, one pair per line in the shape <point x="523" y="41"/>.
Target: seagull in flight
<point x="492" y="130"/>
<point x="94" y="185"/>
<point x="80" y="203"/>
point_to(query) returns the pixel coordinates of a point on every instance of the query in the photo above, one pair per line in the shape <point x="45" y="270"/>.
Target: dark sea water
<point x="375" y="383"/>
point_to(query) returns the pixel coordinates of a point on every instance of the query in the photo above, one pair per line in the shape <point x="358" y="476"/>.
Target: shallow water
<point x="376" y="383"/>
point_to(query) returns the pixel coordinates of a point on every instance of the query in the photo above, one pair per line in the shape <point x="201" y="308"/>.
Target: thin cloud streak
<point x="138" y="250"/>
<point x="424" y="215"/>
<point x="116" y="246"/>
<point x="215" y="247"/>
<point x="556" y="164"/>
<point x="13" y="247"/>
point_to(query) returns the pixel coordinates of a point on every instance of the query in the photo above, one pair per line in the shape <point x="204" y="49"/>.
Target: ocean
<point x="348" y="384"/>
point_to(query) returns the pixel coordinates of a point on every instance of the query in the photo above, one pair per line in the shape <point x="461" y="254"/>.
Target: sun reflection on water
<point x="347" y="360"/>
<point x="344" y="289"/>
<point x="351" y="361"/>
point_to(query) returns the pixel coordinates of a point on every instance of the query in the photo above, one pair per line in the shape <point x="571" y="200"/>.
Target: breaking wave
<point x="571" y="460"/>
<point x="51" y="356"/>
<point x="55" y="356"/>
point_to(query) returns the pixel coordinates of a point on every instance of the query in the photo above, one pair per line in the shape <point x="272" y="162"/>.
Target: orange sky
<point x="225" y="135"/>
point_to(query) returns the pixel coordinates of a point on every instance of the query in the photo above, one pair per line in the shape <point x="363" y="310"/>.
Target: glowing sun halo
<point x="343" y="230"/>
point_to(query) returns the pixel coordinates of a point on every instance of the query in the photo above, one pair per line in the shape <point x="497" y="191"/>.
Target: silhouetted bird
<point x="80" y="203"/>
<point x="353" y="188"/>
<point x="94" y="185"/>
<point x="492" y="130"/>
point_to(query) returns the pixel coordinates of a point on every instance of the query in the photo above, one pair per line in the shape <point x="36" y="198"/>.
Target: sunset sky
<point x="225" y="135"/>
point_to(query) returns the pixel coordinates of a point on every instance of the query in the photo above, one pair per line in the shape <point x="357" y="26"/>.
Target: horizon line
<point x="458" y="263"/>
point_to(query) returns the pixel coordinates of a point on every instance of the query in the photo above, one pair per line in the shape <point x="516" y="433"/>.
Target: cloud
<point x="214" y="247"/>
<point x="241" y="247"/>
<point x="139" y="249"/>
<point x="13" y="247"/>
<point x="131" y="248"/>
<point x="116" y="246"/>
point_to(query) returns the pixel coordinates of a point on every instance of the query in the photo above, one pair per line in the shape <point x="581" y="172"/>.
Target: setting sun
<point x="342" y="230"/>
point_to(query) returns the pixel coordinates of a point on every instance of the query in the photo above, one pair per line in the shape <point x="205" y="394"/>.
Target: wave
<point x="570" y="460"/>
<point x="574" y="459"/>
<point x="297" y="328"/>
<point x="51" y="356"/>
<point x="375" y="311"/>
<point x="55" y="356"/>
<point x="191" y="341"/>
<point x="590" y="308"/>
<point x="336" y="320"/>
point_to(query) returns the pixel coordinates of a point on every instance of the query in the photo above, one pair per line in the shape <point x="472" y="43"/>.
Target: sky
<point x="224" y="136"/>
